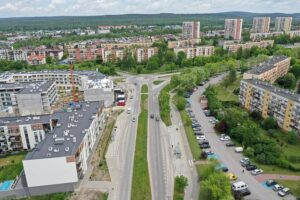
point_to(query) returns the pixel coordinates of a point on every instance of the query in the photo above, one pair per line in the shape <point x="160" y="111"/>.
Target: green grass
<point x="11" y="166"/>
<point x="157" y="82"/>
<point x="164" y="105"/>
<point x="273" y="169"/>
<point x="226" y="94"/>
<point x="293" y="185"/>
<point x="193" y="143"/>
<point x="144" y="88"/>
<point x="54" y="196"/>
<point x="141" y="189"/>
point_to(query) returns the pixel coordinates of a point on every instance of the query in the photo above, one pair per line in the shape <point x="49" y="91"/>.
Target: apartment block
<point x="233" y="47"/>
<point x="62" y="157"/>
<point x="199" y="51"/>
<point x="183" y="43"/>
<point x="55" y="53"/>
<point x="261" y="25"/>
<point x="233" y="29"/>
<point x="274" y="68"/>
<point x="293" y="34"/>
<point x="283" y="24"/>
<point x="262" y="36"/>
<point x="191" y="30"/>
<point x="270" y="101"/>
<point x="85" y="81"/>
<point x="143" y="54"/>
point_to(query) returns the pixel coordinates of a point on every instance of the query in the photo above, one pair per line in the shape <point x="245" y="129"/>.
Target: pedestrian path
<point x="264" y="177"/>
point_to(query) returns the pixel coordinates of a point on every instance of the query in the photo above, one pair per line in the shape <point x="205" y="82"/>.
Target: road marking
<point x="191" y="162"/>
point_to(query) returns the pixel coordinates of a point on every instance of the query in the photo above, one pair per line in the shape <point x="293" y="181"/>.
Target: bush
<point x="292" y="137"/>
<point x="269" y="123"/>
<point x="180" y="103"/>
<point x="249" y="152"/>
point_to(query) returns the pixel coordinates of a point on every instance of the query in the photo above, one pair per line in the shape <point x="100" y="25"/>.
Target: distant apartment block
<point x="234" y="47"/>
<point x="191" y="30"/>
<point x="293" y="34"/>
<point x="283" y="105"/>
<point x="274" y="68"/>
<point x="262" y="36"/>
<point x="199" y="51"/>
<point x="55" y="53"/>
<point x="261" y="25"/>
<point x="283" y="24"/>
<point x="143" y="54"/>
<point x="233" y="29"/>
<point x="183" y="43"/>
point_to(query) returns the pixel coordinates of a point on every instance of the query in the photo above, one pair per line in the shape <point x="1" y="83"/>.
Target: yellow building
<point x="271" y="101"/>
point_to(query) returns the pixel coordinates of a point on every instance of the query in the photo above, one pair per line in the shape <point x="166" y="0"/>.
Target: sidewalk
<point x="263" y="177"/>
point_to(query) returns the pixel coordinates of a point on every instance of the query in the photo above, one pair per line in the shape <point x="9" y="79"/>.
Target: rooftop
<point x="11" y="121"/>
<point x="266" y="66"/>
<point x="65" y="139"/>
<point x="276" y="90"/>
<point x="36" y="87"/>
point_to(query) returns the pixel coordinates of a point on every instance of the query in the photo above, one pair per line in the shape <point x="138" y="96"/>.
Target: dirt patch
<point x="87" y="194"/>
<point x="100" y="170"/>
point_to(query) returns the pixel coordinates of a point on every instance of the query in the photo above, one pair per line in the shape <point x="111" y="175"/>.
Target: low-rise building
<point x="183" y="43"/>
<point x="233" y="47"/>
<point x="270" y="101"/>
<point x="274" y="68"/>
<point x="262" y="36"/>
<point x="198" y="51"/>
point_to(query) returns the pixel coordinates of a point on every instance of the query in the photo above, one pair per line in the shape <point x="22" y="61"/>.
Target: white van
<point x="128" y="110"/>
<point x="240" y="185"/>
<point x="239" y="149"/>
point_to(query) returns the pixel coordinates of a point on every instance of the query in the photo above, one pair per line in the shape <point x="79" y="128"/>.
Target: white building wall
<point x="49" y="171"/>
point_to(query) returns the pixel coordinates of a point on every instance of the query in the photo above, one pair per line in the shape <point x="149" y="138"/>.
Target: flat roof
<point x="36" y="87"/>
<point x="266" y="66"/>
<point x="276" y="90"/>
<point x="65" y="139"/>
<point x="24" y="120"/>
<point x="10" y="86"/>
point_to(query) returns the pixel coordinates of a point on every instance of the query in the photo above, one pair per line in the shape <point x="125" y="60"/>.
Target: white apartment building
<point x="283" y="24"/>
<point x="191" y="30"/>
<point x="62" y="157"/>
<point x="233" y="29"/>
<point x="143" y="54"/>
<point x="232" y="46"/>
<point x="198" y="51"/>
<point x="261" y="25"/>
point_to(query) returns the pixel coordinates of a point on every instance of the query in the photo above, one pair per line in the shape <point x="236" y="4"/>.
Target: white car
<point x="257" y="171"/>
<point x="200" y="137"/>
<point x="243" y="160"/>
<point x="225" y="138"/>
<point x="284" y="192"/>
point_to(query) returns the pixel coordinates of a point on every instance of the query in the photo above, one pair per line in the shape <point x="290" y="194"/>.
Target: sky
<point x="32" y="8"/>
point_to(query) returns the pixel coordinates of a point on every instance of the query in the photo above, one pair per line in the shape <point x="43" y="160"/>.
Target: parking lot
<point x="229" y="159"/>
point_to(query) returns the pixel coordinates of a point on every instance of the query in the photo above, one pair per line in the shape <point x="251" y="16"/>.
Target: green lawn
<point x="157" y="82"/>
<point x="144" y="88"/>
<point x="11" y="166"/>
<point x="226" y="94"/>
<point x="141" y="189"/>
<point x="193" y="143"/>
<point x="293" y="185"/>
<point x="54" y="196"/>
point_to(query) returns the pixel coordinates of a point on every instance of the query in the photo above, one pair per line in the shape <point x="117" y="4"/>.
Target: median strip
<point x="141" y="189"/>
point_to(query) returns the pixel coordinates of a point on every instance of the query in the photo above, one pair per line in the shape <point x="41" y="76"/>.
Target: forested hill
<point x="65" y="22"/>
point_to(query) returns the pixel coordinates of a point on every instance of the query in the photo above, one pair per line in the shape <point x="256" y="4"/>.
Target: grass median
<point x="164" y="104"/>
<point x="144" y="89"/>
<point x="141" y="189"/>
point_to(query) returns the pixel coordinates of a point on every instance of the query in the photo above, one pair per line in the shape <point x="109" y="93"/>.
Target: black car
<point x="151" y="116"/>
<point x="230" y="144"/>
<point x="203" y="142"/>
<point x="198" y="133"/>
<point x="195" y="125"/>
<point x="251" y="167"/>
<point x="204" y="146"/>
<point x="270" y="182"/>
<point x="245" y="163"/>
<point x="239" y="194"/>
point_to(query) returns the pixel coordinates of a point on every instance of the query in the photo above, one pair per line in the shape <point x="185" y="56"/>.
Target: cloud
<point x="17" y="8"/>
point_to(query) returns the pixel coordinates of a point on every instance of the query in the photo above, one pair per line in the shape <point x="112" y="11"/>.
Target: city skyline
<point x="34" y="8"/>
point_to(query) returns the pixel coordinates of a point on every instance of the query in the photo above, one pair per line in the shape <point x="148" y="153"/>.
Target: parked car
<point x="277" y="187"/>
<point x="239" y="149"/>
<point x="270" y="182"/>
<point x="245" y="160"/>
<point x="225" y="138"/>
<point x="196" y="125"/>
<point x="251" y="167"/>
<point x="240" y="185"/>
<point x="231" y="176"/>
<point x="230" y="144"/>
<point x="222" y="167"/>
<point x="200" y="137"/>
<point x="204" y="146"/>
<point x="198" y="133"/>
<point x="284" y="192"/>
<point x="197" y="129"/>
<point x="203" y="142"/>
<point x="205" y="153"/>
<point x="157" y="118"/>
<point x="257" y="172"/>
<point x="239" y="194"/>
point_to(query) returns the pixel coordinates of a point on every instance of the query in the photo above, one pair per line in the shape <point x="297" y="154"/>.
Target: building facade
<point x="270" y="101"/>
<point x="199" y="51"/>
<point x="183" y="43"/>
<point x="283" y="24"/>
<point x="234" y="47"/>
<point x="261" y="25"/>
<point x="233" y="29"/>
<point x="191" y="30"/>
<point x="143" y="54"/>
<point x="274" y="68"/>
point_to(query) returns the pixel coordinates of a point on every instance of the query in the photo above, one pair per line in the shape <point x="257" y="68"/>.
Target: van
<point x="240" y="185"/>
<point x="239" y="149"/>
